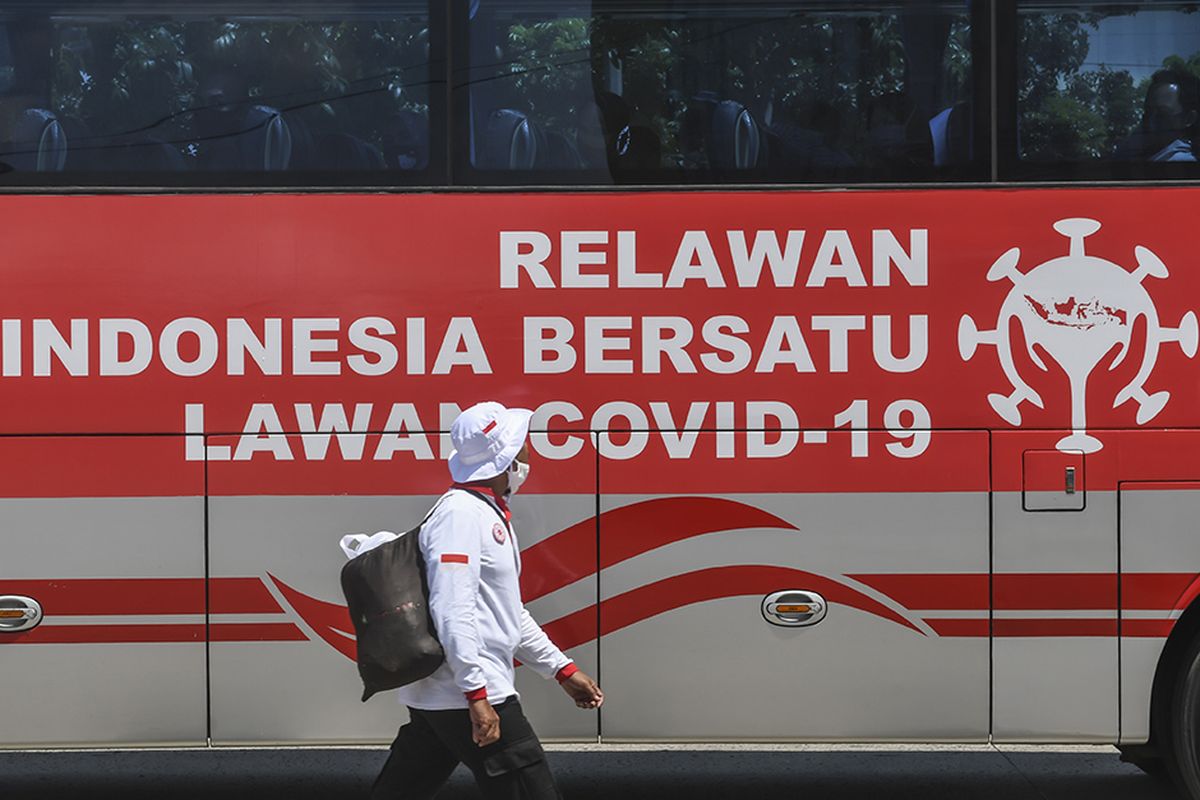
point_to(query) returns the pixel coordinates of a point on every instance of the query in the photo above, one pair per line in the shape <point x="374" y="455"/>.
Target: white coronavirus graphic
<point x="1076" y="308"/>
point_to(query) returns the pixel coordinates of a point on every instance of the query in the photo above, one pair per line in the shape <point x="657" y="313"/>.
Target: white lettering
<point x="241" y="340"/>
<point x="747" y="265"/>
<point x="785" y="345"/>
<point x="655" y="345"/>
<point x="262" y="419"/>
<point x="351" y="437"/>
<point x="194" y="447"/>
<point x="679" y="442"/>
<point x="514" y="258"/>
<point x="785" y="423"/>
<point x="715" y="336"/>
<point x="726" y="443"/>
<point x="627" y="275"/>
<point x="597" y="342"/>
<point x="111" y="331"/>
<point x="695" y="245"/>
<point x="71" y="354"/>
<point x="540" y="428"/>
<point x="206" y="355"/>
<point x="839" y="327"/>
<point x="414" y="336"/>
<point x="913" y="264"/>
<point x="367" y="335"/>
<point x="558" y="344"/>
<point x="882" y="346"/>
<point x="461" y="331"/>
<point x="10" y="329"/>
<point x="638" y="436"/>
<point x="574" y="258"/>
<point x="403" y="433"/>
<point x="305" y="346"/>
<point x="836" y="260"/>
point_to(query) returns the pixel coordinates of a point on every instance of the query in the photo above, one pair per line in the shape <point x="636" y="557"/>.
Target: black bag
<point x="388" y="596"/>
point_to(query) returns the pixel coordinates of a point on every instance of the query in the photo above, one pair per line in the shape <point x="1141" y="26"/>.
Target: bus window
<point x="1106" y="90"/>
<point x="617" y="92"/>
<point x="185" y="93"/>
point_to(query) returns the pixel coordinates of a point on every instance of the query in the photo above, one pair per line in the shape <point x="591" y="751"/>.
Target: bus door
<point x="278" y="507"/>
<point x="1054" y="590"/>
<point x="101" y="592"/>
<point x="793" y="585"/>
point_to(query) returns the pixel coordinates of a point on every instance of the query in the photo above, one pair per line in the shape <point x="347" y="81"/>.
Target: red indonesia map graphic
<point x="1074" y="314"/>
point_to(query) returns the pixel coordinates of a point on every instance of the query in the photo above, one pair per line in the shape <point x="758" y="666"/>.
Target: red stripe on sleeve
<point x="455" y="558"/>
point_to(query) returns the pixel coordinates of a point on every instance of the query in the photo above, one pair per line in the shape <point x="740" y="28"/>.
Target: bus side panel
<point x="687" y="649"/>
<point x="107" y="534"/>
<point x="274" y="528"/>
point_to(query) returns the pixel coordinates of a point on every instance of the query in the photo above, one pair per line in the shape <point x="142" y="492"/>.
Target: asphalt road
<point x="868" y="774"/>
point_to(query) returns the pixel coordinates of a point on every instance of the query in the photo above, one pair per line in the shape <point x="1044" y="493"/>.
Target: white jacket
<point x="472" y="562"/>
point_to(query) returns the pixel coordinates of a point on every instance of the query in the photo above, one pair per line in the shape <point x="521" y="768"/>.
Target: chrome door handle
<point x="794" y="608"/>
<point x="19" y="613"/>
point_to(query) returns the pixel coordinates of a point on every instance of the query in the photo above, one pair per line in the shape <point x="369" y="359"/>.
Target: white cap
<point x="486" y="438"/>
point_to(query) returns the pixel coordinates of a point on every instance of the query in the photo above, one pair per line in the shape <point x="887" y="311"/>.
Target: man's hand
<point x="485" y="722"/>
<point x="583" y="690"/>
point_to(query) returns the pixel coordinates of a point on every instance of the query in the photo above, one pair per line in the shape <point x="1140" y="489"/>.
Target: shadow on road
<point x="624" y="775"/>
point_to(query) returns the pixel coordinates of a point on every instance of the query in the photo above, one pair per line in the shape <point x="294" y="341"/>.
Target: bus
<point x="807" y="298"/>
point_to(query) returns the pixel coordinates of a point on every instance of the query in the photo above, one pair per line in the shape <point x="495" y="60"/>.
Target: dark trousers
<point x="433" y="743"/>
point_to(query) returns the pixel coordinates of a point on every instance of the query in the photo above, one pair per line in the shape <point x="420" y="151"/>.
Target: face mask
<point x="517" y="473"/>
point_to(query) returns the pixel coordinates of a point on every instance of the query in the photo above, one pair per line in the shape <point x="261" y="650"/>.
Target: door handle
<point x="19" y="613"/>
<point x="794" y="608"/>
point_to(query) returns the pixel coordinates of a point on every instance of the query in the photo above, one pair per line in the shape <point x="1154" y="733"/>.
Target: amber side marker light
<point x="793" y="609"/>
<point x="12" y="613"/>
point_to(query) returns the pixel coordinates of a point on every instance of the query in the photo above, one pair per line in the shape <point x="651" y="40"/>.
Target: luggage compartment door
<point x="1055" y="653"/>
<point x="834" y="592"/>
<point x="282" y="653"/>
<point x="105" y="536"/>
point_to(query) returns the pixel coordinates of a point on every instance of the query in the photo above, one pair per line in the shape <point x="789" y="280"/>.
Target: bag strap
<point x="430" y="514"/>
<point x="483" y="498"/>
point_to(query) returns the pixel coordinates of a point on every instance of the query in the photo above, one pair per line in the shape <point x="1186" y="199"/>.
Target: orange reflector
<point x="12" y="613"/>
<point x="794" y="609"/>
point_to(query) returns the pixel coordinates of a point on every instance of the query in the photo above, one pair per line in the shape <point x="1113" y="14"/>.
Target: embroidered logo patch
<point x="498" y="533"/>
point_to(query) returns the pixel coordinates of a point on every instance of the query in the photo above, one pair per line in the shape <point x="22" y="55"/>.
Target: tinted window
<point x="679" y="91"/>
<point x="1106" y="89"/>
<point x="154" y="93"/>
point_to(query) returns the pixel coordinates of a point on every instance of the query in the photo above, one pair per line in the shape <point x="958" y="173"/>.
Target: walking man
<point x="468" y="711"/>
